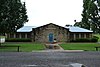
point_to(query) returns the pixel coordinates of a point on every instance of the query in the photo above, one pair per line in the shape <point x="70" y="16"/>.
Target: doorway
<point x="51" y="37"/>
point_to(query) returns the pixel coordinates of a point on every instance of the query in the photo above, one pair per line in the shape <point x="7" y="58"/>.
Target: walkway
<point x="54" y="46"/>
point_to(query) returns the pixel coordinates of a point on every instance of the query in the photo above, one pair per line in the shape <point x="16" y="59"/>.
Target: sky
<point x="60" y="12"/>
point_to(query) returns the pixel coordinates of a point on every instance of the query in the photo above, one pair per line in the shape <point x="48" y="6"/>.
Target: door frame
<point x="51" y="37"/>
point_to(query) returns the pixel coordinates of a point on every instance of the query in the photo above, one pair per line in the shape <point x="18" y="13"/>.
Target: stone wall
<point x="59" y="33"/>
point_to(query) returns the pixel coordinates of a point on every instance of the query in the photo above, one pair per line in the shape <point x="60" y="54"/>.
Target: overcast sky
<point x="60" y="12"/>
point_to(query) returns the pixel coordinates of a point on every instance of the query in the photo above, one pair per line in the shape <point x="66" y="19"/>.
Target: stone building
<point x="51" y="32"/>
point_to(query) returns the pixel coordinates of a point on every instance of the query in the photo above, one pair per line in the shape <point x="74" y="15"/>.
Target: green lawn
<point x="29" y="47"/>
<point x="80" y="46"/>
<point x="24" y="47"/>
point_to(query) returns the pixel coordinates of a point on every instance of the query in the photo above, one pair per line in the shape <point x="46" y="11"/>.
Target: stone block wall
<point x="59" y="33"/>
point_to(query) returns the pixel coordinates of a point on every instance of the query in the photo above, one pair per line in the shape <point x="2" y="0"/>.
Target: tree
<point x="91" y="15"/>
<point x="98" y="3"/>
<point x="84" y="23"/>
<point x="77" y="23"/>
<point x="12" y="15"/>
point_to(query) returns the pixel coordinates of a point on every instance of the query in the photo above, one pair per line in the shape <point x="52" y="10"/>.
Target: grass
<point x="29" y="47"/>
<point x="24" y="47"/>
<point x="80" y="46"/>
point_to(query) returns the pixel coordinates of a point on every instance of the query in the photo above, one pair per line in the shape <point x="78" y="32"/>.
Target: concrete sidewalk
<point x="54" y="46"/>
<point x="59" y="50"/>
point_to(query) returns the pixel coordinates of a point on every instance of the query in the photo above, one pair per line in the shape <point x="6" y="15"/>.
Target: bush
<point x="81" y="40"/>
<point x="18" y="40"/>
<point x="93" y="39"/>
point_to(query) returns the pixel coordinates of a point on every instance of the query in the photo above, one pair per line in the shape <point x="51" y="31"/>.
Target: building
<point x="51" y="32"/>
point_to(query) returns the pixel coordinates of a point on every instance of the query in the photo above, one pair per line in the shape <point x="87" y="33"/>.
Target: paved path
<point x="53" y="46"/>
<point x="49" y="59"/>
<point x="59" y="50"/>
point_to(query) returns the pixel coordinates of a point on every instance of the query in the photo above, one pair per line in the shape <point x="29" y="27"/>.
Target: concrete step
<point x="53" y="46"/>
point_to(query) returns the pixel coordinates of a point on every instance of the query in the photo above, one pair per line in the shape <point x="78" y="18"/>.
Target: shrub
<point x="93" y="39"/>
<point x="18" y="40"/>
<point x="81" y="40"/>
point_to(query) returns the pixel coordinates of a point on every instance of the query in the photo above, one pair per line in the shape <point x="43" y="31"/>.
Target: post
<point x="26" y="35"/>
<point x="18" y="49"/>
<point x="79" y="35"/>
<point x="20" y="35"/>
<point x="74" y="36"/>
<point x="96" y="48"/>
<point x="14" y="35"/>
<point x="84" y="35"/>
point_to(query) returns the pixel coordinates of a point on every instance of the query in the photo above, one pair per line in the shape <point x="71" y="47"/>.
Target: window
<point x="71" y="36"/>
<point x="22" y="35"/>
<point x="29" y="35"/>
<point x="11" y="35"/>
<point x="17" y="35"/>
<point x="77" y="35"/>
<point x="87" y="35"/>
<point x="82" y="35"/>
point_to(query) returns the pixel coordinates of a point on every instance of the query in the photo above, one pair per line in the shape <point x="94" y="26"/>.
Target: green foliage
<point x="97" y="35"/>
<point x="12" y="15"/>
<point x="90" y="15"/>
<point x="93" y="39"/>
<point x="18" y="40"/>
<point x="81" y="40"/>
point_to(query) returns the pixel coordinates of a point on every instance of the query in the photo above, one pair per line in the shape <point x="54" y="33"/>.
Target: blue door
<point x="51" y="37"/>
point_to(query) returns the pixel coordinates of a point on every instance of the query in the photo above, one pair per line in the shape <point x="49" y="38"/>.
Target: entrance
<point x="51" y="37"/>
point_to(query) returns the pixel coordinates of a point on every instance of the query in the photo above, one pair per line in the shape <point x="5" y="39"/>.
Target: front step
<point x="54" y="46"/>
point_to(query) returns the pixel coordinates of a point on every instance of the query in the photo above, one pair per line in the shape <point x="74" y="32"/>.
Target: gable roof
<point x="51" y="24"/>
<point x="26" y="29"/>
<point x="29" y="28"/>
<point x="78" y="29"/>
<point x="71" y="28"/>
